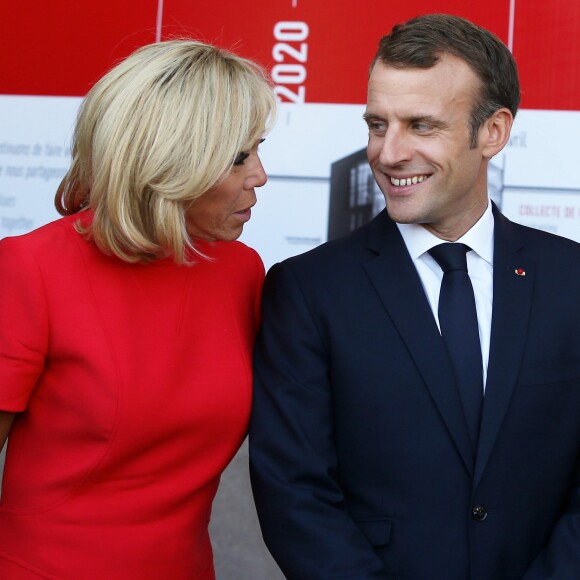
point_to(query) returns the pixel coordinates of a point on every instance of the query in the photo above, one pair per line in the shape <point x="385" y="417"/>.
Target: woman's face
<point x="221" y="212"/>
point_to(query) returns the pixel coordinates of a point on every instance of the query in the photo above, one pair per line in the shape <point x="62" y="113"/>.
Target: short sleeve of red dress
<point x="23" y="325"/>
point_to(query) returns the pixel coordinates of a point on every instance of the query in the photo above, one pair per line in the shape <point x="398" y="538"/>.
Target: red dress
<point x="135" y="387"/>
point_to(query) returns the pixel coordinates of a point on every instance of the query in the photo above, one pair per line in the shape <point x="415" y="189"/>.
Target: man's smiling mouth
<point x="408" y="180"/>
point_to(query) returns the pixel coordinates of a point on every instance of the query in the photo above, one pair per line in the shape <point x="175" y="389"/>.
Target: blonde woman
<point x="127" y="325"/>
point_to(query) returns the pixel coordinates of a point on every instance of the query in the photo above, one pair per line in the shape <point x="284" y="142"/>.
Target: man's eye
<point x="239" y="160"/>
<point x="377" y="126"/>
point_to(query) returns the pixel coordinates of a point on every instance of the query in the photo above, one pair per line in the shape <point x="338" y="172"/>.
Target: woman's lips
<point x="244" y="214"/>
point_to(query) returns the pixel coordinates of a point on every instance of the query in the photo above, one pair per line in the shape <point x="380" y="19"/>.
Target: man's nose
<point x="396" y="147"/>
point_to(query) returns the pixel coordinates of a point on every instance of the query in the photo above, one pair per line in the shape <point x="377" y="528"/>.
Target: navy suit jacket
<point x="360" y="458"/>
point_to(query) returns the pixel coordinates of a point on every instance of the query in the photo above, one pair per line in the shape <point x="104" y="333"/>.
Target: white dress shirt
<point x="479" y="265"/>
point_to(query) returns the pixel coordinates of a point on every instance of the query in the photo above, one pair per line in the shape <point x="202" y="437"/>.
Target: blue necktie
<point x="458" y="323"/>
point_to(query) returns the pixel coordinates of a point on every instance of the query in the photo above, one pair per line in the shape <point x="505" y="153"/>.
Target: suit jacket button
<point x="479" y="513"/>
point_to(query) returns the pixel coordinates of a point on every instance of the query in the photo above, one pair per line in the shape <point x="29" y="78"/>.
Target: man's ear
<point x="495" y="132"/>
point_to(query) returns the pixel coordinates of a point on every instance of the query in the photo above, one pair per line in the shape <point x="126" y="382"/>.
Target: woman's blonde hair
<point x="154" y="134"/>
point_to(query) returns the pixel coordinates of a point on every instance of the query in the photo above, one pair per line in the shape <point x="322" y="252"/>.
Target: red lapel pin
<point x="520" y="272"/>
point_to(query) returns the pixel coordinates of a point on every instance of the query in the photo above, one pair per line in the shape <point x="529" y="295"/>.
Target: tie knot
<point x="450" y="256"/>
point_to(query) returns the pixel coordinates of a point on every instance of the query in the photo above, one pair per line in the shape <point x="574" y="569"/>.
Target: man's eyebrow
<point x="430" y="119"/>
<point x="370" y="117"/>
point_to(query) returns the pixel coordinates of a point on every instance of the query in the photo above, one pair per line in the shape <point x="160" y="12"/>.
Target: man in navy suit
<point x="365" y="463"/>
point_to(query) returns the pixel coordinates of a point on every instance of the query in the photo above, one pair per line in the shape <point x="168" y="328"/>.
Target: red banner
<point x="317" y="50"/>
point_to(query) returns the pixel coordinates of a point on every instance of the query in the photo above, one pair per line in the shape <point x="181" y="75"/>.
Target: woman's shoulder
<point x="60" y="229"/>
<point x="53" y="238"/>
<point x="235" y="254"/>
<point x="233" y="266"/>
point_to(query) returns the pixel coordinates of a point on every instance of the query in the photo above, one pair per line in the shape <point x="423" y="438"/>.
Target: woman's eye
<point x="239" y="160"/>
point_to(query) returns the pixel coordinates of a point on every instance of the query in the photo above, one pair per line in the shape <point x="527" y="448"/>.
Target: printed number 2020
<point x="290" y="76"/>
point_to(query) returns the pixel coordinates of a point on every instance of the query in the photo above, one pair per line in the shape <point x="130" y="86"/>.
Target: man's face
<point x="419" y="145"/>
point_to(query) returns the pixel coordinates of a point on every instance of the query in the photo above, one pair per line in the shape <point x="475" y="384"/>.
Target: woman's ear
<point x="496" y="132"/>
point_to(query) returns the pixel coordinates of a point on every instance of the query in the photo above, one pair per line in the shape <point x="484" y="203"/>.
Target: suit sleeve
<point x="293" y="463"/>
<point x="561" y="557"/>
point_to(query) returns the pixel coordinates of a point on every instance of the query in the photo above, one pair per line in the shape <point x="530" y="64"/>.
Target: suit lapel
<point x="395" y="279"/>
<point x="512" y="297"/>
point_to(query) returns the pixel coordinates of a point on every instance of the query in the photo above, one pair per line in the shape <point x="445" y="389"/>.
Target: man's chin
<point x="402" y="217"/>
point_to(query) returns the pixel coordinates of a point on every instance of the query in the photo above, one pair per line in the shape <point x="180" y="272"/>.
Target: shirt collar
<point x="479" y="237"/>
